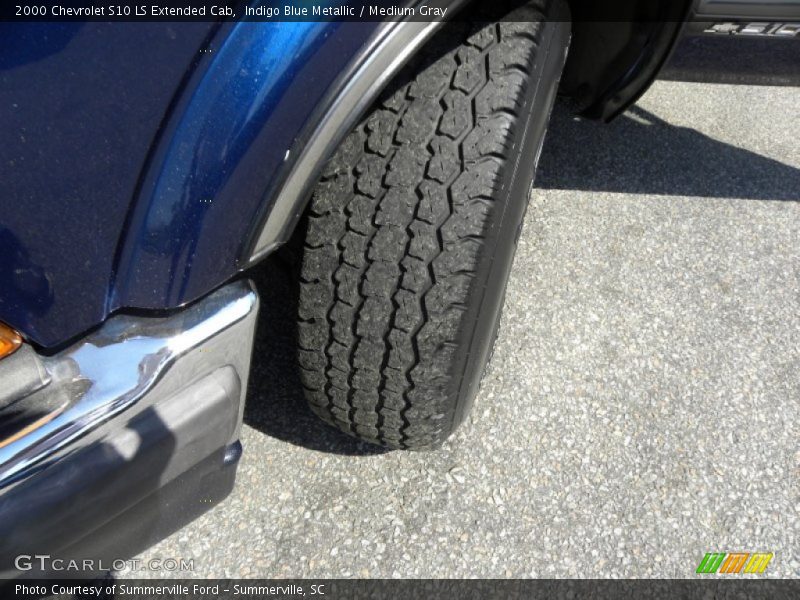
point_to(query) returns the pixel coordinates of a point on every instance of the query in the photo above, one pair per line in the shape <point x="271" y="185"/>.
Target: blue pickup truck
<point x="148" y="166"/>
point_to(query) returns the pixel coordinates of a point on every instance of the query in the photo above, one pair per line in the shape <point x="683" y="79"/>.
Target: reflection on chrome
<point x="129" y="364"/>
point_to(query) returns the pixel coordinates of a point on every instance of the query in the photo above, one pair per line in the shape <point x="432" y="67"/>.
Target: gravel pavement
<point x="643" y="404"/>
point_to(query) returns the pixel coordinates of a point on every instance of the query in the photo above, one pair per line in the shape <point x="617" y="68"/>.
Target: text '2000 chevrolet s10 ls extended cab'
<point x="148" y="163"/>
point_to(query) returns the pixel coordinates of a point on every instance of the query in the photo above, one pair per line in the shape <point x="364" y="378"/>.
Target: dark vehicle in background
<point x="147" y="167"/>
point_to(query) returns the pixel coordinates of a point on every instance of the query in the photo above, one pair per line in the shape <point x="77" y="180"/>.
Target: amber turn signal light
<point x="10" y="340"/>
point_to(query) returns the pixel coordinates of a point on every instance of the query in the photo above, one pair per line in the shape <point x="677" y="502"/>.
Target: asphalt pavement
<point x="643" y="404"/>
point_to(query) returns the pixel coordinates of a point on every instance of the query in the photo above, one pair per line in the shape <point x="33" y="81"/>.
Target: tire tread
<point x="396" y="230"/>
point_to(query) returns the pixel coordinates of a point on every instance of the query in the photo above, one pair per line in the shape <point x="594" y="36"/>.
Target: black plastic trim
<point x="612" y="62"/>
<point x="140" y="482"/>
<point x="737" y="10"/>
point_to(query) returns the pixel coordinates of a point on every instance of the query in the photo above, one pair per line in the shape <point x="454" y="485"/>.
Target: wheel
<point x="412" y="230"/>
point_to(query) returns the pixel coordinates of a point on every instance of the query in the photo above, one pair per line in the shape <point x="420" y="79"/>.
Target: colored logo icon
<point x="734" y="562"/>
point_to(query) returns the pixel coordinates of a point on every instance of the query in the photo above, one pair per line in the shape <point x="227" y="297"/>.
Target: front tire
<point x="413" y="226"/>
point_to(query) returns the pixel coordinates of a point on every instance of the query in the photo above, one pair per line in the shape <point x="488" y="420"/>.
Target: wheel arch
<point x="603" y="83"/>
<point x="231" y="172"/>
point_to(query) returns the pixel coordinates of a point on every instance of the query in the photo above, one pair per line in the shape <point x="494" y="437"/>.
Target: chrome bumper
<point x="132" y="407"/>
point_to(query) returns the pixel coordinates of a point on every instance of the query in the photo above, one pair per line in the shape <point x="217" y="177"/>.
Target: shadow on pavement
<point x="638" y="154"/>
<point x="641" y="154"/>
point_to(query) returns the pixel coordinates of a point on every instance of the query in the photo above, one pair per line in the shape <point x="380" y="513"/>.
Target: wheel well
<point x="617" y="49"/>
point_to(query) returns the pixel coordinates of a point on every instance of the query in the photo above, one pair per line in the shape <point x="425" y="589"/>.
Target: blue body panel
<point x="226" y="142"/>
<point x="80" y="104"/>
<point x="135" y="158"/>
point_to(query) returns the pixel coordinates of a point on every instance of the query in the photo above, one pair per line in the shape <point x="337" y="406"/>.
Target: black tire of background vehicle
<point x="413" y="225"/>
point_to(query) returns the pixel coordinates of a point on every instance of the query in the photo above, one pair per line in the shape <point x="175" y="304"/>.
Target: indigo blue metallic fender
<point x="256" y="87"/>
<point x="156" y="153"/>
<point x="80" y="105"/>
<point x="262" y="112"/>
<point x="144" y="165"/>
<point x="345" y="103"/>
